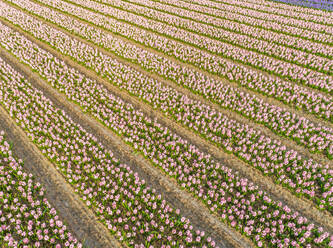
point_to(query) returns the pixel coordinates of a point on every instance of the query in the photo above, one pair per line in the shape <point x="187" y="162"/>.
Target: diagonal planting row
<point x="312" y="4"/>
<point x="130" y="209"/>
<point x="286" y="166"/>
<point x="289" y="93"/>
<point x="112" y="186"/>
<point x="239" y="27"/>
<point x="26" y="216"/>
<point x="302" y="20"/>
<point x="268" y="48"/>
<point x="273" y="66"/>
<point x="323" y="4"/>
<point x="290" y="7"/>
<point x="236" y="13"/>
<point x="251" y="18"/>
<point x="313" y="136"/>
<point x="295" y="11"/>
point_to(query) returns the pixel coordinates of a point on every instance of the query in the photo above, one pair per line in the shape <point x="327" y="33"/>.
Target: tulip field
<point x="166" y="123"/>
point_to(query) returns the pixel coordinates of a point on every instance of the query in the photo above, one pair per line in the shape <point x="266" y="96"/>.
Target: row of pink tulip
<point x="251" y="17"/>
<point x="27" y="219"/>
<point x="275" y="118"/>
<point x="238" y="27"/>
<point x="109" y="185"/>
<point x="303" y="59"/>
<point x="301" y="97"/>
<point x="258" y="150"/>
<point x="289" y="17"/>
<point x="297" y="11"/>
<point x="257" y="61"/>
<point x="278" y="5"/>
<point x="131" y="210"/>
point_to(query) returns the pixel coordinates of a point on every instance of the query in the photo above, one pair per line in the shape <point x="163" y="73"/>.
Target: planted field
<point x="163" y="123"/>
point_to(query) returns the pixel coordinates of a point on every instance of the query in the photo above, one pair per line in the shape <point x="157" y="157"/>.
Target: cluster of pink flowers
<point x="132" y="211"/>
<point x="231" y="25"/>
<point x="262" y="11"/>
<point x="310" y="61"/>
<point x="295" y="11"/>
<point x="287" y="92"/>
<point x="204" y="44"/>
<point x="258" y="150"/>
<point x="250" y="17"/>
<point x="26" y="217"/>
<point x="301" y="12"/>
<point x="314" y="136"/>
<point x="298" y="11"/>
